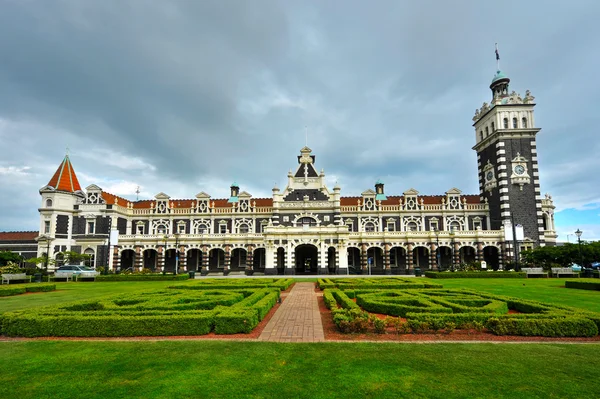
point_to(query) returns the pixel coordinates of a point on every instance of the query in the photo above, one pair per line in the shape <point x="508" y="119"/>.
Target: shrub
<point x="474" y="274"/>
<point x="141" y="277"/>
<point x="379" y="325"/>
<point x="236" y="321"/>
<point x="583" y="285"/>
<point x="40" y="287"/>
<point x="555" y="327"/>
<point x="10" y="291"/>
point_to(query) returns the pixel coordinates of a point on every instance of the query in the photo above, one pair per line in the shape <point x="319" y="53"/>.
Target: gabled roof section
<point x="411" y="191"/>
<point x="367" y="192"/>
<point x="18" y="235"/>
<point x="454" y="191"/>
<point x="93" y="187"/>
<point x="244" y="194"/>
<point x="65" y="179"/>
<point x="161" y="196"/>
<point x="202" y="195"/>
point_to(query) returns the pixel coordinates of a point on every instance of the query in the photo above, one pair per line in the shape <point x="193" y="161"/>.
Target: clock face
<point x="519" y="169"/>
<point x="489" y="176"/>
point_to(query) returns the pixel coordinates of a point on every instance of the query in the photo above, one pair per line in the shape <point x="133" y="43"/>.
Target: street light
<point x="452" y="233"/>
<point x="437" y="248"/>
<point x="578" y="233"/>
<point x="176" y="252"/>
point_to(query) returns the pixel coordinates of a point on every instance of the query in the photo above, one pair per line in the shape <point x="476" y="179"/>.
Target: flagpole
<point x="497" y="58"/>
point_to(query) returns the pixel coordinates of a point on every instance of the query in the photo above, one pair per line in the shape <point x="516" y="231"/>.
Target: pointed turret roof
<point x="65" y="178"/>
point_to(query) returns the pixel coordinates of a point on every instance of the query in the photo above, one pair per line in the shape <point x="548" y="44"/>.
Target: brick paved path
<point x="297" y="319"/>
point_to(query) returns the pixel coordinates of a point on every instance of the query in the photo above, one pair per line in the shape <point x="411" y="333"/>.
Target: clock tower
<point x="505" y="136"/>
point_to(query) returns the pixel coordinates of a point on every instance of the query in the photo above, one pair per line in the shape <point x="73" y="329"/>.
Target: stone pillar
<point x="139" y="258"/>
<point x="205" y="259"/>
<point x="409" y="258"/>
<point x="479" y="252"/>
<point x="270" y="256"/>
<point x="116" y="259"/>
<point x="342" y="259"/>
<point x="322" y="259"/>
<point x="250" y="257"/>
<point x="456" y="259"/>
<point x="182" y="259"/>
<point x="433" y="256"/>
<point x="161" y="258"/>
<point x="386" y="259"/>
<point x="363" y="258"/>
<point x="227" y="264"/>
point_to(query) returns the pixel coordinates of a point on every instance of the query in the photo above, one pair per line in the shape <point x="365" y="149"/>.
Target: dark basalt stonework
<point x="62" y="224"/>
<point x="313" y="195"/>
<point x="122" y="225"/>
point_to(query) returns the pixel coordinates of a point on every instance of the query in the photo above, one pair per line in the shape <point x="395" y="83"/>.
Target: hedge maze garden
<point x="381" y="305"/>
<point x="193" y="309"/>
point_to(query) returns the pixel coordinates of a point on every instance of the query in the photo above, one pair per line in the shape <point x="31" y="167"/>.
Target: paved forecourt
<point x="297" y="319"/>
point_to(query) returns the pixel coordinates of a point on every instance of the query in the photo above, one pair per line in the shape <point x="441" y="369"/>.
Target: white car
<point x="77" y="269"/>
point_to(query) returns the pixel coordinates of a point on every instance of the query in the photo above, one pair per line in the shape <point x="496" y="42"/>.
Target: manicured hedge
<point x="490" y="274"/>
<point x="435" y="309"/>
<point x="556" y="327"/>
<point x="583" y="285"/>
<point x="211" y="284"/>
<point x="142" y="277"/>
<point x="375" y="283"/>
<point x="9" y="290"/>
<point x="147" y="313"/>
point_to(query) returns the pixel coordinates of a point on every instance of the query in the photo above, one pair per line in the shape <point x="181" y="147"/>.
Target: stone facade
<point x="308" y="228"/>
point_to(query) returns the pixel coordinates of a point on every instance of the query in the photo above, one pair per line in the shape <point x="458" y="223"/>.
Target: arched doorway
<point x="280" y="260"/>
<point x="150" y="259"/>
<point x="194" y="259"/>
<point x="127" y="259"/>
<point x="170" y="260"/>
<point x="306" y="259"/>
<point x="331" y="263"/>
<point x="375" y="260"/>
<point x="353" y="260"/>
<point x="491" y="256"/>
<point x="445" y="254"/>
<point x="398" y="260"/>
<point x="467" y="255"/>
<point x="421" y="258"/>
<point x="216" y="259"/>
<point x="90" y="260"/>
<point x="258" y="262"/>
<point x="238" y="259"/>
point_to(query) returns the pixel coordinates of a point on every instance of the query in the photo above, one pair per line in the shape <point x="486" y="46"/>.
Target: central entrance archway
<point x="306" y="259"/>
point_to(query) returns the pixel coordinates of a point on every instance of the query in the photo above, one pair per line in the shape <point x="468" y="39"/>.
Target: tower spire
<point x="64" y="178"/>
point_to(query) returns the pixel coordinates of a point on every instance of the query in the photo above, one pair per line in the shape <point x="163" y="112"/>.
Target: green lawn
<point x="205" y="369"/>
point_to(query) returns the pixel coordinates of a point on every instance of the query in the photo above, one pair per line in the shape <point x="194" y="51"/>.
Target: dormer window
<point x="515" y="125"/>
<point x="48" y="203"/>
<point x="505" y="120"/>
<point x="487" y="132"/>
<point x="524" y="123"/>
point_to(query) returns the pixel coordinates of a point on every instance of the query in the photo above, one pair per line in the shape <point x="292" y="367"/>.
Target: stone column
<point x="270" y="255"/>
<point x="479" y="252"/>
<point x="161" y="258"/>
<point x="116" y="259"/>
<point x="363" y="258"/>
<point x="433" y="256"/>
<point x="342" y="259"/>
<point x="227" y="263"/>
<point x="250" y="257"/>
<point x="205" y="258"/>
<point x="409" y="258"/>
<point x="139" y="258"/>
<point x="386" y="259"/>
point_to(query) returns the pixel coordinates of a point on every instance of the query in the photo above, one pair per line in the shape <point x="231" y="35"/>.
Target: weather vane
<point x="137" y="193"/>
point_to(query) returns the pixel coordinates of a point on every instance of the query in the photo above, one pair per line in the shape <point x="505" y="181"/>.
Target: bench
<point x="557" y="271"/>
<point x="15" y="277"/>
<point x="62" y="275"/>
<point x="534" y="271"/>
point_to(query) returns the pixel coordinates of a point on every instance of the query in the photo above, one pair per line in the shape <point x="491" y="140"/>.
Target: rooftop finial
<point x="137" y="193"/>
<point x="67" y="151"/>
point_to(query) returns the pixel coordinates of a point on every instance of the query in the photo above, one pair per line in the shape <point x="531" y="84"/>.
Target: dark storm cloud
<point x="183" y="97"/>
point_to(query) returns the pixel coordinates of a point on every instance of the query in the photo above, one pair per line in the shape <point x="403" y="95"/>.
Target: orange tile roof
<point x="65" y="178"/>
<point x="18" y="235"/>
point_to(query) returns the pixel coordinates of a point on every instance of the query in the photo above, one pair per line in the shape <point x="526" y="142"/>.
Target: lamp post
<point x="452" y="240"/>
<point x="578" y="233"/>
<point x="176" y="252"/>
<point x="437" y="248"/>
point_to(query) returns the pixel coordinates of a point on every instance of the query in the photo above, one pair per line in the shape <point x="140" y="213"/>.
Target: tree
<point x="8" y="256"/>
<point x="71" y="257"/>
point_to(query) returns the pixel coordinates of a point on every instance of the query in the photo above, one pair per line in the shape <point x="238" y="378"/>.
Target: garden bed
<point x="11" y="290"/>
<point x="480" y="274"/>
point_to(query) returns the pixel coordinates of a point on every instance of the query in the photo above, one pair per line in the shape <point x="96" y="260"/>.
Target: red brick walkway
<point x="297" y="319"/>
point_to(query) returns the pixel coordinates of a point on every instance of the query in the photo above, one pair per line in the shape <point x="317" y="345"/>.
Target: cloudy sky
<point x="188" y="96"/>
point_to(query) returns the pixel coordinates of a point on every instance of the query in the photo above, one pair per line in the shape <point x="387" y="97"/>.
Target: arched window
<point x="306" y="221"/>
<point x="505" y="123"/>
<point x="244" y="229"/>
<point x="161" y="229"/>
<point x="369" y="226"/>
<point x="524" y="123"/>
<point x="493" y="127"/>
<point x="48" y="203"/>
<point x="454" y="225"/>
<point x="515" y="125"/>
<point x="412" y="226"/>
<point x="91" y="261"/>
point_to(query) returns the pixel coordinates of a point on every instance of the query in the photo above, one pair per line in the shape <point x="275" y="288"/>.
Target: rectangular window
<point x="90" y="226"/>
<point x="140" y="229"/>
<point x="181" y="228"/>
<point x="476" y="224"/>
<point x="391" y="226"/>
<point x="46" y="227"/>
<point x="223" y="229"/>
<point x="433" y="225"/>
